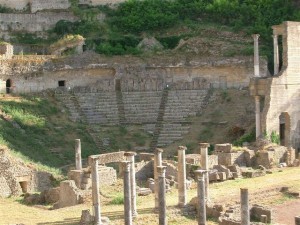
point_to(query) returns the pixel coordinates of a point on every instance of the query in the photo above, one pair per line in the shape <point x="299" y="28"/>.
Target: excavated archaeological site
<point x="218" y="183"/>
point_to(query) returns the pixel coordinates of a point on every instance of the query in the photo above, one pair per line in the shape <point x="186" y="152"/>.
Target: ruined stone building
<point x="278" y="97"/>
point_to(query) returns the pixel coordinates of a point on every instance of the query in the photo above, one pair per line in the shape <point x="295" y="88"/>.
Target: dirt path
<point x="285" y="213"/>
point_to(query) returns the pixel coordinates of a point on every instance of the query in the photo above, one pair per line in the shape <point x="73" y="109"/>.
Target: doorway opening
<point x="24" y="186"/>
<point x="284" y="129"/>
<point x="8" y="86"/>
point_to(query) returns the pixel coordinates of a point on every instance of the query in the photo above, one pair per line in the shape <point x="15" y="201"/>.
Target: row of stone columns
<point x="130" y="209"/>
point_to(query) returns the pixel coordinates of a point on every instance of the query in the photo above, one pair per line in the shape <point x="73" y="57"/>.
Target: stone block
<point x="146" y="156"/>
<point x="52" y="195"/>
<point x="226" y="148"/>
<point x="214" y="176"/>
<point x="222" y="176"/>
<point x="256" y="212"/>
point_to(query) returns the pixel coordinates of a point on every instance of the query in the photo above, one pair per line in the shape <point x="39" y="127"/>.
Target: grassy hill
<point x="36" y="130"/>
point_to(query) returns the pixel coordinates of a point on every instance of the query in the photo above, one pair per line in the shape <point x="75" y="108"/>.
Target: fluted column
<point x="157" y="162"/>
<point x="78" y="162"/>
<point x="162" y="195"/>
<point x="245" y="213"/>
<point x="276" y="54"/>
<point x="130" y="157"/>
<point x="127" y="193"/>
<point x="181" y="176"/>
<point x="204" y="166"/>
<point x="256" y="55"/>
<point x="95" y="192"/>
<point x="257" y="116"/>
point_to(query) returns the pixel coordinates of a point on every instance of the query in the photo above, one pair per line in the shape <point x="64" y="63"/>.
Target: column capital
<point x="275" y="36"/>
<point x="158" y="150"/>
<point x="130" y="154"/>
<point x="200" y="173"/>
<point x="244" y="190"/>
<point x="77" y="140"/>
<point x="126" y="165"/>
<point x="161" y="170"/>
<point x="255" y="36"/>
<point x="257" y="98"/>
<point x="204" y="145"/>
<point x="182" y="148"/>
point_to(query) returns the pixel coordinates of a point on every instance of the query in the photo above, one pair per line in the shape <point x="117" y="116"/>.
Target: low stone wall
<point x="16" y="177"/>
<point x="39" y="5"/>
<point x="15" y="4"/>
<point x="99" y="2"/>
<point x="228" y="159"/>
<point x="38" y="22"/>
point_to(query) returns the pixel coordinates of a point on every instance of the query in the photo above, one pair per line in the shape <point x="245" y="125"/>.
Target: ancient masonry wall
<point x="284" y="93"/>
<point x="41" y="21"/>
<point x="15" y="4"/>
<point x="99" y="2"/>
<point x="39" y="5"/>
<point x="32" y="77"/>
<point x="16" y="177"/>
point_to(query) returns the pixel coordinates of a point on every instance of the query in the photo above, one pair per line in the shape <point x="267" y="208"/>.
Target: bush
<point x="249" y="137"/>
<point x="274" y="137"/>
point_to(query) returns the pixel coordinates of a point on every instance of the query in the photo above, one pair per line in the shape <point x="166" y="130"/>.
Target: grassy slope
<point x="46" y="136"/>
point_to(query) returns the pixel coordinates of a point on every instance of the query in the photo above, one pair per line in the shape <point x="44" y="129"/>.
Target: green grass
<point x="41" y="130"/>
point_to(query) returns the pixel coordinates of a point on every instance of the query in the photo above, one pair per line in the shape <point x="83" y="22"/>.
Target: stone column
<point x="245" y="213"/>
<point x="157" y="162"/>
<point x="276" y="54"/>
<point x="256" y="55"/>
<point x="199" y="174"/>
<point x="127" y="193"/>
<point x="95" y="192"/>
<point x="130" y="158"/>
<point x="78" y="161"/>
<point x="161" y="170"/>
<point x="297" y="220"/>
<point x="204" y="166"/>
<point x="181" y="176"/>
<point x="257" y="116"/>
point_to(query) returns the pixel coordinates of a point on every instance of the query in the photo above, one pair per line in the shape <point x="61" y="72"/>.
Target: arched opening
<point x="8" y="86"/>
<point x="284" y="129"/>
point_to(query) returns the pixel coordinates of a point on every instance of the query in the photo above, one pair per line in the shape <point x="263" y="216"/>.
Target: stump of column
<point x="297" y="220"/>
<point x="157" y="162"/>
<point x="181" y="176"/>
<point x="95" y="192"/>
<point x="200" y="174"/>
<point x="256" y="55"/>
<point x="245" y="212"/>
<point x="127" y="193"/>
<point x="161" y="170"/>
<point x="130" y="157"/>
<point x="204" y="166"/>
<point x="78" y="162"/>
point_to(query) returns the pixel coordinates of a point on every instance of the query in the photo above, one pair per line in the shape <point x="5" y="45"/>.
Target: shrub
<point x="274" y="137"/>
<point x="249" y="137"/>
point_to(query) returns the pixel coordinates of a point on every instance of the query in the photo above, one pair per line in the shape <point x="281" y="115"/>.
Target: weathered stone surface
<point x="107" y="158"/>
<point x="52" y="195"/>
<point x="257" y="211"/>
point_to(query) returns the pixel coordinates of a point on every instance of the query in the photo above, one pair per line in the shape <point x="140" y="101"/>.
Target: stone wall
<point x="282" y="92"/>
<point x="15" y="4"/>
<point x="228" y="159"/>
<point x="99" y="2"/>
<point x="38" y="22"/>
<point x="102" y="74"/>
<point x="16" y="177"/>
<point x="39" y="5"/>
